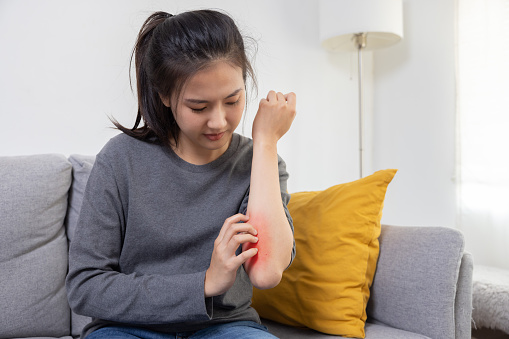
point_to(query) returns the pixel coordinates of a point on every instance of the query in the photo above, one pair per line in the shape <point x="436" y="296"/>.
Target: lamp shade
<point x="340" y="20"/>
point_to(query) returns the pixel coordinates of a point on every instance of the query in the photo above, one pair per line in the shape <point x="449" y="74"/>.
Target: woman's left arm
<point x="265" y="208"/>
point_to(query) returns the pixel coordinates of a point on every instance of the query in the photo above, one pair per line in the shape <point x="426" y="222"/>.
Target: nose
<point x="217" y="119"/>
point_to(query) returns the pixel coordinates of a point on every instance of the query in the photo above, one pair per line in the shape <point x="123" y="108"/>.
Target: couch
<point x="422" y="286"/>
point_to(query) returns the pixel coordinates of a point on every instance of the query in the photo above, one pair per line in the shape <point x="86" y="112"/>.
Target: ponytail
<point x="150" y="108"/>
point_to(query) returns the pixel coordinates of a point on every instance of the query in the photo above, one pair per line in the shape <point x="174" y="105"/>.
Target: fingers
<point x="280" y="97"/>
<point x="235" y="232"/>
<point x="239" y="234"/>
<point x="291" y="99"/>
<point x="245" y="255"/>
<point x="272" y="96"/>
<point x="240" y="239"/>
<point x="235" y="219"/>
<point x="224" y="262"/>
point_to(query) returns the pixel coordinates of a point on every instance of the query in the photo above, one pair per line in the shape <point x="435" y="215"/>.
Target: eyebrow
<point x="199" y="101"/>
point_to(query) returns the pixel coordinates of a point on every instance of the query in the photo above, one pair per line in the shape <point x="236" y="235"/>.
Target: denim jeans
<point x="234" y="330"/>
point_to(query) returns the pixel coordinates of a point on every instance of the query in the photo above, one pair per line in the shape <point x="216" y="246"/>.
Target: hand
<point x="274" y="117"/>
<point x="224" y="263"/>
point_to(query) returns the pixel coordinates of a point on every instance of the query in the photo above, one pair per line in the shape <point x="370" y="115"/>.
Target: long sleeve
<point x="97" y="284"/>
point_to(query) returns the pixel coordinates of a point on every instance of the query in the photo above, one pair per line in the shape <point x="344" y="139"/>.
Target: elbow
<point x="265" y="278"/>
<point x="75" y="302"/>
<point x="74" y="299"/>
<point x="266" y="281"/>
<point x="76" y="296"/>
<point x="265" y="271"/>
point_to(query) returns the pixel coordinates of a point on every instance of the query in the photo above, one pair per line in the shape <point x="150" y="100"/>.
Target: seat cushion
<point x="373" y="331"/>
<point x="33" y="246"/>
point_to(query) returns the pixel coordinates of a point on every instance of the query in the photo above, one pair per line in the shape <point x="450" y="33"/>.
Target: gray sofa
<point x="422" y="287"/>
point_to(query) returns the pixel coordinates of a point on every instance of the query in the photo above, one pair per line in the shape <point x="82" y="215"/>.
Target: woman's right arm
<point x="96" y="288"/>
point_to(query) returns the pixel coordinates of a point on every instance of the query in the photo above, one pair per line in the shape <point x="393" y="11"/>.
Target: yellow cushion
<point x="336" y="234"/>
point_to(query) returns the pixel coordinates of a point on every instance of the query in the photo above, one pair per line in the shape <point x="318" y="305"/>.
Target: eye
<point x="198" y="110"/>
<point x="233" y="103"/>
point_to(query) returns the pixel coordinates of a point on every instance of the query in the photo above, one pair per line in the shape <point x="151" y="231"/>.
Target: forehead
<point x="220" y="78"/>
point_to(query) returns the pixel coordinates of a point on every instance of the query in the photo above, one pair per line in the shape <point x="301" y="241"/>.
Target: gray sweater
<point x="146" y="232"/>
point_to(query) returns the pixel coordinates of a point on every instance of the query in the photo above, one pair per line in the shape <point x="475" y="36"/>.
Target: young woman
<point x="182" y="216"/>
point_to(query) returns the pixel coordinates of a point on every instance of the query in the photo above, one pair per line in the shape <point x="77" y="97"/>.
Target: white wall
<point x="414" y="116"/>
<point x="64" y="70"/>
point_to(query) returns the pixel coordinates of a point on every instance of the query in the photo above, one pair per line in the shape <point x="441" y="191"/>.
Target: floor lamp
<point x="358" y="25"/>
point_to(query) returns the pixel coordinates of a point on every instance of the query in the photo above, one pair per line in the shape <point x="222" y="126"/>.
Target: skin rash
<point x="260" y="260"/>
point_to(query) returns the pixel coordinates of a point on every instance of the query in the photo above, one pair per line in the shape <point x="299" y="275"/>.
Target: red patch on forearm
<point x="263" y="246"/>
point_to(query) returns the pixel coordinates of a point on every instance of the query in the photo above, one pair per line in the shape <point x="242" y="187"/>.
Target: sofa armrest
<point x="463" y="306"/>
<point x="416" y="280"/>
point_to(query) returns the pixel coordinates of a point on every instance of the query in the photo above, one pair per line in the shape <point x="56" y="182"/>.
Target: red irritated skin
<point x="263" y="255"/>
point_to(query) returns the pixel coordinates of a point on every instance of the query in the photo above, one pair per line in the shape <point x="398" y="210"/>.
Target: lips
<point x="214" y="137"/>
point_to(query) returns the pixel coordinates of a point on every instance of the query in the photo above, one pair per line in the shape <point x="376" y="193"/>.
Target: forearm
<point x="97" y="288"/>
<point x="135" y="298"/>
<point x="266" y="213"/>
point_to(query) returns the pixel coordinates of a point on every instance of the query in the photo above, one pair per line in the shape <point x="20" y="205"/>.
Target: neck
<point x="198" y="156"/>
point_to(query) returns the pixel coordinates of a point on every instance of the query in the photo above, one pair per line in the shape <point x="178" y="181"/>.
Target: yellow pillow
<point x="336" y="234"/>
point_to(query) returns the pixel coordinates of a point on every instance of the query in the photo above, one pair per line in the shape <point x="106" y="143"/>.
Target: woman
<point x="181" y="216"/>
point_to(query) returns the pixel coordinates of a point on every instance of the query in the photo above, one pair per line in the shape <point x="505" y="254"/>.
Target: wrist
<point x="265" y="143"/>
<point x="207" y="288"/>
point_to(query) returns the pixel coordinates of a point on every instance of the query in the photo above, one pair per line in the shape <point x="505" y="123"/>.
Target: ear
<point x="166" y="101"/>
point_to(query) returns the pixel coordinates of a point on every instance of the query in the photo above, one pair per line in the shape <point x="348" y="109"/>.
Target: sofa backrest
<point x="33" y="246"/>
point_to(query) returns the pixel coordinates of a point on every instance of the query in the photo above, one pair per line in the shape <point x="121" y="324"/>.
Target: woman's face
<point x="208" y="112"/>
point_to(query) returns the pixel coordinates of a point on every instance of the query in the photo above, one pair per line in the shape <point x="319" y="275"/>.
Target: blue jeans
<point x="234" y="330"/>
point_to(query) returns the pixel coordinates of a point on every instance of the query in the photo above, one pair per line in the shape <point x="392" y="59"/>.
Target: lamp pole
<point x="360" y="42"/>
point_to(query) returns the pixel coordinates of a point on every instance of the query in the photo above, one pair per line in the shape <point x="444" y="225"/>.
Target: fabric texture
<point x="463" y="302"/>
<point x="238" y="329"/>
<point x="417" y="272"/>
<point x="146" y="232"/>
<point x="81" y="168"/>
<point x="33" y="246"/>
<point x="336" y="233"/>
<point x="491" y="298"/>
<point x="373" y="331"/>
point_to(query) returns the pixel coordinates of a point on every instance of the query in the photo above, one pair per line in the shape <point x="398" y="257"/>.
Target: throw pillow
<point x="336" y="234"/>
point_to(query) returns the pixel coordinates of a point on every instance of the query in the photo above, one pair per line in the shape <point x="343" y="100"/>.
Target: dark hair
<point x="171" y="49"/>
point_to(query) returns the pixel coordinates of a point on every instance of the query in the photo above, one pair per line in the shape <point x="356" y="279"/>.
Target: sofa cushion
<point x="81" y="167"/>
<point x="33" y="246"/>
<point x="373" y="331"/>
<point x="336" y="235"/>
